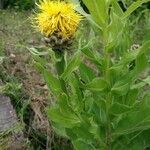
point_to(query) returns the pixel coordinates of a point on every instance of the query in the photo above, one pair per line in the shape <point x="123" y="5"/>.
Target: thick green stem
<point x="108" y="104"/>
<point x="108" y="96"/>
<point x="60" y="66"/>
<point x="107" y="60"/>
<point x="108" y="128"/>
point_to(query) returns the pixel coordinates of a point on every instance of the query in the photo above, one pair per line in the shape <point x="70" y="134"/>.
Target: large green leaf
<point x="133" y="7"/>
<point x="82" y="12"/>
<point x="115" y="31"/>
<point x="118" y="109"/>
<point x="142" y="83"/>
<point x="120" y="87"/>
<point x="132" y="55"/>
<point x="83" y="133"/>
<point x="87" y="73"/>
<point x="116" y="8"/>
<point x="52" y="82"/>
<point x="65" y="119"/>
<point x="141" y="63"/>
<point x="76" y="93"/>
<point x="37" y="52"/>
<point x="97" y="84"/>
<point x="134" y="121"/>
<point x="63" y="103"/>
<point x="59" y="129"/>
<point x="72" y="65"/>
<point x="80" y="145"/>
<point x="131" y="97"/>
<point x="136" y="141"/>
<point x="98" y="10"/>
<point x="92" y="55"/>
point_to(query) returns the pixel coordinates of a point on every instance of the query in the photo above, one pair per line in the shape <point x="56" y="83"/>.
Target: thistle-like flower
<point x="57" y="18"/>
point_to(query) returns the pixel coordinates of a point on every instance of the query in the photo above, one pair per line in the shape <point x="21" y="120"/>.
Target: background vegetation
<point x="17" y="4"/>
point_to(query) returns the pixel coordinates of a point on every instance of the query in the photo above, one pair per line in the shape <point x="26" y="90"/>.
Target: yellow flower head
<point x="57" y="18"/>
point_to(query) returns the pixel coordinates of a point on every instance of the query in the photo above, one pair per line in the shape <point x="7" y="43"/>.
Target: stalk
<point x="60" y="66"/>
<point x="108" y="129"/>
<point x="108" y="104"/>
<point x="108" y="97"/>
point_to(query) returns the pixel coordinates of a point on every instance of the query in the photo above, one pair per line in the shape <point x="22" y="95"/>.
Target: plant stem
<point x="108" y="105"/>
<point x="108" y="97"/>
<point x="108" y="128"/>
<point x="60" y="66"/>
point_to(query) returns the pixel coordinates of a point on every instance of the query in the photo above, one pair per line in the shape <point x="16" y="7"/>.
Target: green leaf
<point x="89" y="53"/>
<point x="139" y="140"/>
<point x="132" y="55"/>
<point x="36" y="52"/>
<point x="88" y="103"/>
<point x="83" y="133"/>
<point x="120" y="88"/>
<point x="60" y="62"/>
<point x="66" y="120"/>
<point x="133" y="7"/>
<point x="40" y="60"/>
<point x="115" y="31"/>
<point x="100" y="112"/>
<point x="131" y="97"/>
<point x="59" y="129"/>
<point x="39" y="67"/>
<point x="136" y="141"/>
<point x="64" y="106"/>
<point x="134" y="121"/>
<point x="141" y="84"/>
<point x="144" y="48"/>
<point x="141" y="63"/>
<point x="76" y="95"/>
<point x="82" y="12"/>
<point x="72" y="65"/>
<point x="92" y="55"/>
<point x="116" y="8"/>
<point x="80" y="145"/>
<point x="98" y="10"/>
<point x="138" y="85"/>
<point x="118" y="109"/>
<point x="147" y="80"/>
<point x="52" y="82"/>
<point x="87" y="73"/>
<point x="97" y="84"/>
<point x="94" y="129"/>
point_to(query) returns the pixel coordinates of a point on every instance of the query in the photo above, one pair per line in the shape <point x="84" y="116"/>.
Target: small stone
<point x="14" y="140"/>
<point x="8" y="116"/>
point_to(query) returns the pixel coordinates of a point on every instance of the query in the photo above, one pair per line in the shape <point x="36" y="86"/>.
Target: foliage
<point x="18" y="4"/>
<point x="104" y="105"/>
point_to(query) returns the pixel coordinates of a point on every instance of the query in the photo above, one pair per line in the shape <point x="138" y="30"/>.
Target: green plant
<point x="24" y="4"/>
<point x="1" y="52"/>
<point x="21" y="5"/>
<point x="105" y="105"/>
